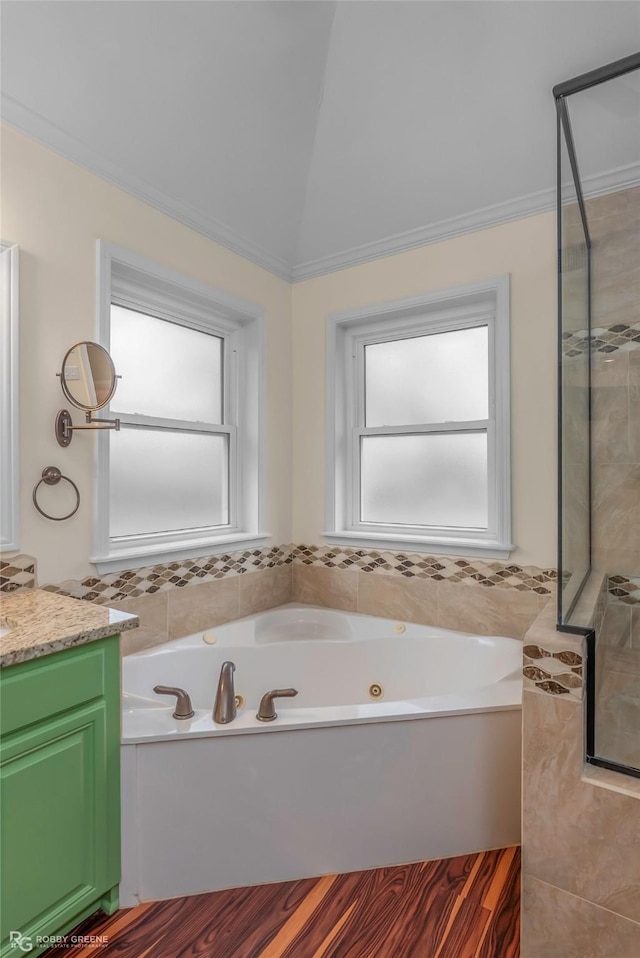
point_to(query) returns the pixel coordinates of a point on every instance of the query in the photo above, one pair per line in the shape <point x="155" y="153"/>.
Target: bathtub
<point x="402" y="745"/>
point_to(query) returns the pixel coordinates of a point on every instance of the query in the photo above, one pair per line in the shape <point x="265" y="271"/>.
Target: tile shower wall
<point x="614" y="221"/>
<point x="581" y="826"/>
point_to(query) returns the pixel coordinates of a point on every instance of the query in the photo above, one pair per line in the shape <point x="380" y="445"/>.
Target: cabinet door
<point x="53" y="780"/>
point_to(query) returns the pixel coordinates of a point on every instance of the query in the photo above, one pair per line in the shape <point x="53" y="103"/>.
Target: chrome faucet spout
<point x="224" y="708"/>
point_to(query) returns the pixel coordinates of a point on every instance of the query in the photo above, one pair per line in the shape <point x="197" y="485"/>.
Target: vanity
<point x="59" y="764"/>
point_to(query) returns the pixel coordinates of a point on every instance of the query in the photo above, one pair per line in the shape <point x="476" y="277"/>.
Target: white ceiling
<point x="309" y="135"/>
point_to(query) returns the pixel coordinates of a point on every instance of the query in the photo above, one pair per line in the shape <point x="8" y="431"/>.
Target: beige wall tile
<point x="556" y="924"/>
<point x="610" y="430"/>
<point x="335" y="588"/>
<point x="616" y="303"/>
<point x="634" y="429"/>
<point x="203" y="606"/>
<point x="577" y="836"/>
<point x="634" y="369"/>
<point x="153" y="629"/>
<point x="625" y="660"/>
<point x="393" y="597"/>
<point x="545" y="601"/>
<point x="265" y="589"/>
<point x="610" y="369"/>
<point x="616" y="500"/>
<point x="485" y="610"/>
<point x="635" y="626"/>
<point x="617" y="727"/>
<point x="616" y="626"/>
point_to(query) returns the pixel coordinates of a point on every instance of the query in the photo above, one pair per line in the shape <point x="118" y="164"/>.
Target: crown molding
<point x="37" y="127"/>
<point x="542" y="201"/>
<point x="32" y="124"/>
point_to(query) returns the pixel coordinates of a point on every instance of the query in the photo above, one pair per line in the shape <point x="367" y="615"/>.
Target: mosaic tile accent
<point x="116" y="586"/>
<point x="441" y="568"/>
<point x="557" y="673"/>
<point x="624" y="589"/>
<point x="603" y="339"/>
<point x="17" y="573"/>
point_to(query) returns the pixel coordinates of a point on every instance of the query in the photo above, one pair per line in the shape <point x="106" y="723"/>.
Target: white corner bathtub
<point x="429" y="769"/>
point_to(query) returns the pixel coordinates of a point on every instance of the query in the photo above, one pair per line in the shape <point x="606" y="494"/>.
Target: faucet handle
<point x="184" y="708"/>
<point x="266" y="711"/>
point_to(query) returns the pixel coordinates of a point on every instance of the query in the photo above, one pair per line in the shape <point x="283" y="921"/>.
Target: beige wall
<point x="56" y="211"/>
<point x="526" y="250"/>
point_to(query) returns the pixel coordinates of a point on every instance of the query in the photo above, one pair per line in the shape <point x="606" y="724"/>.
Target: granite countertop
<point x="40" y="623"/>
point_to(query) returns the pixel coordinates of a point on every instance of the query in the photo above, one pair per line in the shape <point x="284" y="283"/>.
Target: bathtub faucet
<point x="267" y="711"/>
<point x="224" y="708"/>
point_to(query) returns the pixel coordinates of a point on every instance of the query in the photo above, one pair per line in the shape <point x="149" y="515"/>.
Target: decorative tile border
<point x="556" y="673"/>
<point x="116" y="586"/>
<point x="441" y="568"/>
<point x="624" y="589"/>
<point x="603" y="339"/>
<point x="17" y="573"/>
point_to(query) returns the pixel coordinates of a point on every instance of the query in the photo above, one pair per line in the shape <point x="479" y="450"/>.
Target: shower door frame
<point x="609" y="71"/>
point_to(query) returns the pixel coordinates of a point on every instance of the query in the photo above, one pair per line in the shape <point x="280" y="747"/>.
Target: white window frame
<point x="9" y="412"/>
<point x="485" y="303"/>
<point x="135" y="282"/>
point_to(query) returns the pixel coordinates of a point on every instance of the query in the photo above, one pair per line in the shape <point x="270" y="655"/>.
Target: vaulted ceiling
<point x="309" y="135"/>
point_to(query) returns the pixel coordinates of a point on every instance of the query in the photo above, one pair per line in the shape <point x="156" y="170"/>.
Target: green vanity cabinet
<point x="60" y="790"/>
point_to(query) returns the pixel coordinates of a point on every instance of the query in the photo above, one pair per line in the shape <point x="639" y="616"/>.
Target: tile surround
<point x="578" y="836"/>
<point x="624" y="589"/>
<point x="557" y="924"/>
<point x="499" y="598"/>
<point x="603" y="339"/>
<point x="557" y="673"/>
<point x="17" y="572"/>
<point x="118" y="586"/>
<point x="553" y="662"/>
<point x="440" y="568"/>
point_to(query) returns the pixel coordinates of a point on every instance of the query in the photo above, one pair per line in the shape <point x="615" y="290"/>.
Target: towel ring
<point x="51" y="476"/>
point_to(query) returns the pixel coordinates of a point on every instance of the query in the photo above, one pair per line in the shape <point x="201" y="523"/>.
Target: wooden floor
<point x="465" y="907"/>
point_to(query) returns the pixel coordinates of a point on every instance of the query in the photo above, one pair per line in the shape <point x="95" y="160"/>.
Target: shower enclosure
<point x="599" y="397"/>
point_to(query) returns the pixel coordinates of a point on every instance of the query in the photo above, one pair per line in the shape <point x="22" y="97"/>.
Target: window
<point x="418" y="439"/>
<point x="181" y="477"/>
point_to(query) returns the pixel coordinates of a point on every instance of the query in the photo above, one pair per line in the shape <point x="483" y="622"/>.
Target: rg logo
<point x="18" y="940"/>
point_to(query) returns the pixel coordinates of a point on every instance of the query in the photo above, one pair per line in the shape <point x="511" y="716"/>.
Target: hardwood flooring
<point x="466" y="907"/>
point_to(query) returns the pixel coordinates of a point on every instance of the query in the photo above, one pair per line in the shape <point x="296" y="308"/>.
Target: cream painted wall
<point x="55" y="211"/>
<point x="525" y="249"/>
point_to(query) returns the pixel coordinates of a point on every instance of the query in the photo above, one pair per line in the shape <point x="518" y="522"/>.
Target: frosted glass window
<point x="431" y="480"/>
<point x="168" y="371"/>
<point x="164" y="481"/>
<point x="443" y="377"/>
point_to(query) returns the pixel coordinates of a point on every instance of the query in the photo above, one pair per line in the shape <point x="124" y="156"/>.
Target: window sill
<point x="458" y="547"/>
<point x="142" y="557"/>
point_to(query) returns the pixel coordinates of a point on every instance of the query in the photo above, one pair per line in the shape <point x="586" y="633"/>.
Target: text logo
<point x="18" y="940"/>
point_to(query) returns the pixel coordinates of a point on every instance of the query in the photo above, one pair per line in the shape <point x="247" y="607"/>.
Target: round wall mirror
<point x="88" y="376"/>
